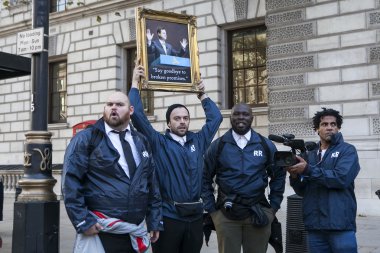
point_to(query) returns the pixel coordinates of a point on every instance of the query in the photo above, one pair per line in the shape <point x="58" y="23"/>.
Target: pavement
<point x="368" y="232"/>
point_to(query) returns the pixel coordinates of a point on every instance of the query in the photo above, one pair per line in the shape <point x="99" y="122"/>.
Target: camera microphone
<point x="276" y="138"/>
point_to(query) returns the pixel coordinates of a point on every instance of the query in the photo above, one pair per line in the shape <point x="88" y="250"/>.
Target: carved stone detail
<point x="241" y="7"/>
<point x="374" y="18"/>
<point x="375" y="88"/>
<point x="298" y="129"/>
<point x="287" y="114"/>
<point x="291" y="64"/>
<point x="376" y="125"/>
<point x="286" y="49"/>
<point x="290" y="33"/>
<point x="132" y="28"/>
<point x="283" y="81"/>
<point x="291" y="96"/>
<point x="280" y="4"/>
<point x="289" y="17"/>
<point x="374" y="54"/>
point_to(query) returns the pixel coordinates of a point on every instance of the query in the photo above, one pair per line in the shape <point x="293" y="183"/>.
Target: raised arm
<point x="213" y="116"/>
<point x="139" y="119"/>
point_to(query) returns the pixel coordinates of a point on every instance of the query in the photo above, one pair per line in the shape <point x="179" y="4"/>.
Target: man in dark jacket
<point x="326" y="183"/>
<point x="98" y="175"/>
<point x="240" y="163"/>
<point x="179" y="157"/>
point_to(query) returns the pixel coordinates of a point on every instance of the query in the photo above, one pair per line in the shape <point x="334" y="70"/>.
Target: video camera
<point x="298" y="146"/>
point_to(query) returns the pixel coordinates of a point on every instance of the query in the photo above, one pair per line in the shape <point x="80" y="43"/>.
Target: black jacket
<point x="94" y="180"/>
<point x="241" y="171"/>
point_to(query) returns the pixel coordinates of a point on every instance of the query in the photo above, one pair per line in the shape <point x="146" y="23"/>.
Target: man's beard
<point x="177" y="132"/>
<point x="241" y="130"/>
<point x="115" y="122"/>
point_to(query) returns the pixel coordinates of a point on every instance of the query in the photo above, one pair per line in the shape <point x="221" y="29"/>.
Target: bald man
<point x="108" y="171"/>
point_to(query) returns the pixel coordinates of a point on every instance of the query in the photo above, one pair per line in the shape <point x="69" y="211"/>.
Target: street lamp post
<point x="36" y="211"/>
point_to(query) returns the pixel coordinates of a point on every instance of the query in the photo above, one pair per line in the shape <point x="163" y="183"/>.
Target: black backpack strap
<point x="268" y="166"/>
<point x="266" y="149"/>
<point x="96" y="137"/>
<point x="220" y="146"/>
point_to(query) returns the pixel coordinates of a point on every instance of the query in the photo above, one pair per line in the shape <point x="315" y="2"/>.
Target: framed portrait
<point x="168" y="49"/>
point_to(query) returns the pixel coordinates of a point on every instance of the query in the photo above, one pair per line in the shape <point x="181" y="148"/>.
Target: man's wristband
<point x="200" y="94"/>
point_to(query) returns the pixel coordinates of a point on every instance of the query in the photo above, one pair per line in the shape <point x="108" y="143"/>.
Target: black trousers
<point x="180" y="237"/>
<point x="115" y="243"/>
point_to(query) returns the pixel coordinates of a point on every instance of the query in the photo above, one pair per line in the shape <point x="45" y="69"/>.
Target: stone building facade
<point x="319" y="53"/>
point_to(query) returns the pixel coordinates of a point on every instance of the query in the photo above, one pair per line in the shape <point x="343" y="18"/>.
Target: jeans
<point x="332" y="242"/>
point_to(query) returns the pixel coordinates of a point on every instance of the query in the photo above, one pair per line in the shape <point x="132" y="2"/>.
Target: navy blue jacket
<point x="327" y="187"/>
<point x="95" y="181"/>
<point x="179" y="167"/>
<point x="241" y="171"/>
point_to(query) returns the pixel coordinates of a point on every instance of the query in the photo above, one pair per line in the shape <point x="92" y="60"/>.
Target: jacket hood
<point x="336" y="138"/>
<point x="100" y="125"/>
<point x="189" y="135"/>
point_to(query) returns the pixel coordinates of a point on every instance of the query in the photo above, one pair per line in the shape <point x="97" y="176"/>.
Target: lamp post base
<point x="37" y="190"/>
<point x="36" y="227"/>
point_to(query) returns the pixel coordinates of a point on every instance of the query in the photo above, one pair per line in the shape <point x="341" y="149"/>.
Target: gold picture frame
<point x="168" y="49"/>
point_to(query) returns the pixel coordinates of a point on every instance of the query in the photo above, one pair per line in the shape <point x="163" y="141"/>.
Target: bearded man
<point x="109" y="174"/>
<point x="179" y="157"/>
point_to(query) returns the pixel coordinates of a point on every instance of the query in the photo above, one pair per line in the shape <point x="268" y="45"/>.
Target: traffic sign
<point x="31" y="41"/>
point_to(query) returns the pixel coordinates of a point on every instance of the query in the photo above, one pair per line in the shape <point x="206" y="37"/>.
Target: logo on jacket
<point x="257" y="153"/>
<point x="192" y="148"/>
<point x="145" y="154"/>
<point x="336" y="154"/>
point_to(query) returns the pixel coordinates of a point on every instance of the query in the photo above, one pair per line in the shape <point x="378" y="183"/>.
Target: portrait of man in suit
<point x="160" y="46"/>
<point x="168" y="51"/>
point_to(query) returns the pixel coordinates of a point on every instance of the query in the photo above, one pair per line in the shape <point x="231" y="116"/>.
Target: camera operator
<point x="326" y="183"/>
<point x="240" y="160"/>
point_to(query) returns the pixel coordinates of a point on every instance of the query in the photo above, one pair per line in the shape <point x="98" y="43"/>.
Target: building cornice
<point x="75" y="13"/>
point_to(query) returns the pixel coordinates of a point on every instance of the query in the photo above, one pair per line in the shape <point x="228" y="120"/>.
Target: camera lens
<point x="288" y="161"/>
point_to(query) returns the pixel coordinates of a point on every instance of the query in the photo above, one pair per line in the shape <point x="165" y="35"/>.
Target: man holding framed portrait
<point x="179" y="152"/>
<point x="179" y="157"/>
